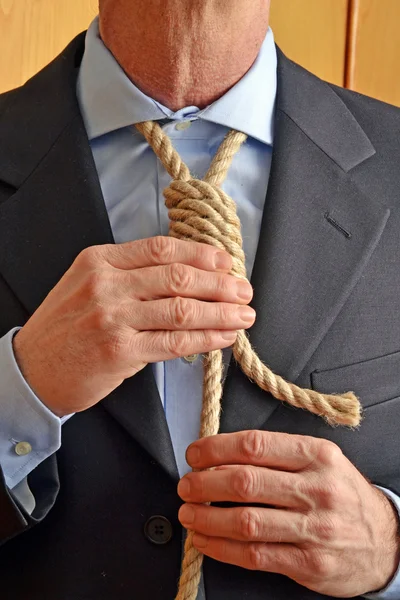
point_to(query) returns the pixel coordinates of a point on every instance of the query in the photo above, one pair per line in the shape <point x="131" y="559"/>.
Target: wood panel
<point x="313" y="33"/>
<point x="374" y="49"/>
<point x="33" y="32"/>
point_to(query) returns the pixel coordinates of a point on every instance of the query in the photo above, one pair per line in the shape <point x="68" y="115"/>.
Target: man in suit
<point x="104" y="319"/>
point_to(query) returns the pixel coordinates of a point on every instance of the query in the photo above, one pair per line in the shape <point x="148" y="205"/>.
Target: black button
<point x="158" y="530"/>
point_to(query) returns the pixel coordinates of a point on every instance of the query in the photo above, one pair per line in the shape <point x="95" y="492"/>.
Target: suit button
<point x="158" y="530"/>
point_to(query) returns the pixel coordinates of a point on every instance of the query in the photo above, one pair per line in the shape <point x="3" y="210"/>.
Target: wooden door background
<point x="354" y="43"/>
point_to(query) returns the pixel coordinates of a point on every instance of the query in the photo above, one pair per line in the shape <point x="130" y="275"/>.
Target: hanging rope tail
<point x="200" y="211"/>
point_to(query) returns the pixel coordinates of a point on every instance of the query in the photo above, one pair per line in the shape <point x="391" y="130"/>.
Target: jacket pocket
<point x="373" y="381"/>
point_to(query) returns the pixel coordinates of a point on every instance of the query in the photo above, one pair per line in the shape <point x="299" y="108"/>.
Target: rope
<point x="199" y="210"/>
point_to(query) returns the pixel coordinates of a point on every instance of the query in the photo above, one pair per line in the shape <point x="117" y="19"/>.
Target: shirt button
<point x="158" y="530"/>
<point x="191" y="358"/>
<point x="23" y="448"/>
<point x="183" y="125"/>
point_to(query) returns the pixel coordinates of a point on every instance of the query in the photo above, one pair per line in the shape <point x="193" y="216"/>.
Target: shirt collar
<point x="109" y="100"/>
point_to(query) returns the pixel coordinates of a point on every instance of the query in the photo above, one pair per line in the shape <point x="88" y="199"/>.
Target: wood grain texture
<point x="374" y="49"/>
<point x="313" y="33"/>
<point x="33" y="32"/>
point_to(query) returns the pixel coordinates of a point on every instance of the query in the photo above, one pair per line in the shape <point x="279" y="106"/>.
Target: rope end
<point x="348" y="412"/>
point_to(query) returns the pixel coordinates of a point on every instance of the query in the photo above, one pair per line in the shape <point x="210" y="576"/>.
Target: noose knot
<point x="202" y="212"/>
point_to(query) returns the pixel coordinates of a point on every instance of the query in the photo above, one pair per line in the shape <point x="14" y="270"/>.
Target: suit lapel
<point x="317" y="235"/>
<point x="57" y="211"/>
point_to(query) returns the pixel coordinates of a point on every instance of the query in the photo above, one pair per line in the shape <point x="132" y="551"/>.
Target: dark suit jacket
<point x="327" y="295"/>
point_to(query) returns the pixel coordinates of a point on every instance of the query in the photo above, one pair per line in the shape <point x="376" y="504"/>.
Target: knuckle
<point x="208" y="340"/>
<point x="244" y="483"/>
<point x="226" y="283"/>
<point x="89" y="256"/>
<point x="250" y="524"/>
<point x="182" y="312"/>
<point x="253" y="446"/>
<point x="319" y="493"/>
<point x="327" y="529"/>
<point x="102" y="318"/>
<point x="303" y="527"/>
<point x="303" y="448"/>
<point x="320" y="527"/>
<point x="226" y="312"/>
<point x="299" y="560"/>
<point x="115" y="347"/>
<point x="256" y="558"/>
<point x="176" y="343"/>
<point x="329" y="494"/>
<point x="179" y="278"/>
<point x="94" y="285"/>
<point x="160" y="249"/>
<point x="329" y="453"/>
<point x="319" y="564"/>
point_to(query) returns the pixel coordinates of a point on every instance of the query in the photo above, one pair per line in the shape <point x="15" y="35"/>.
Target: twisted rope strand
<point x="201" y="211"/>
<point x="164" y="149"/>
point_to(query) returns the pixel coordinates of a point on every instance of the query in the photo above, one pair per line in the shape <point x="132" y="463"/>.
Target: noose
<point x="200" y="211"/>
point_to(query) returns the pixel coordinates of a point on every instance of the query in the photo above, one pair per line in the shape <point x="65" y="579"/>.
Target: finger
<point x="177" y="279"/>
<point x="285" y="559"/>
<point x="156" y="346"/>
<point x="180" y="314"/>
<point x="246" y="524"/>
<point x="265" y="448"/>
<point x="244" y="484"/>
<point x="161" y="250"/>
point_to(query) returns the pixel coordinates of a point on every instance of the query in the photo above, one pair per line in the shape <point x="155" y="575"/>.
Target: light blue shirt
<point x="132" y="180"/>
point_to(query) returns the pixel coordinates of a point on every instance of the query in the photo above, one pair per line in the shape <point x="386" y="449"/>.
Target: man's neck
<point x="184" y="52"/>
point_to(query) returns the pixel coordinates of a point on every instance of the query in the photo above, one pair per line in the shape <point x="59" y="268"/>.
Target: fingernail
<point x="222" y="261"/>
<point x="193" y="455"/>
<point x="200" y="541"/>
<point x="247" y="314"/>
<point x="184" y="488"/>
<point x="243" y="290"/>
<point x="186" y="514"/>
<point x="229" y="336"/>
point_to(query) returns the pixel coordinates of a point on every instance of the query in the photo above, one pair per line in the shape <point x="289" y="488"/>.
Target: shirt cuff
<point x="392" y="590"/>
<point x="24" y="418"/>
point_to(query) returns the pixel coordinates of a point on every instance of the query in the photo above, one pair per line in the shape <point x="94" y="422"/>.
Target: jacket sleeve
<point x="44" y="484"/>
